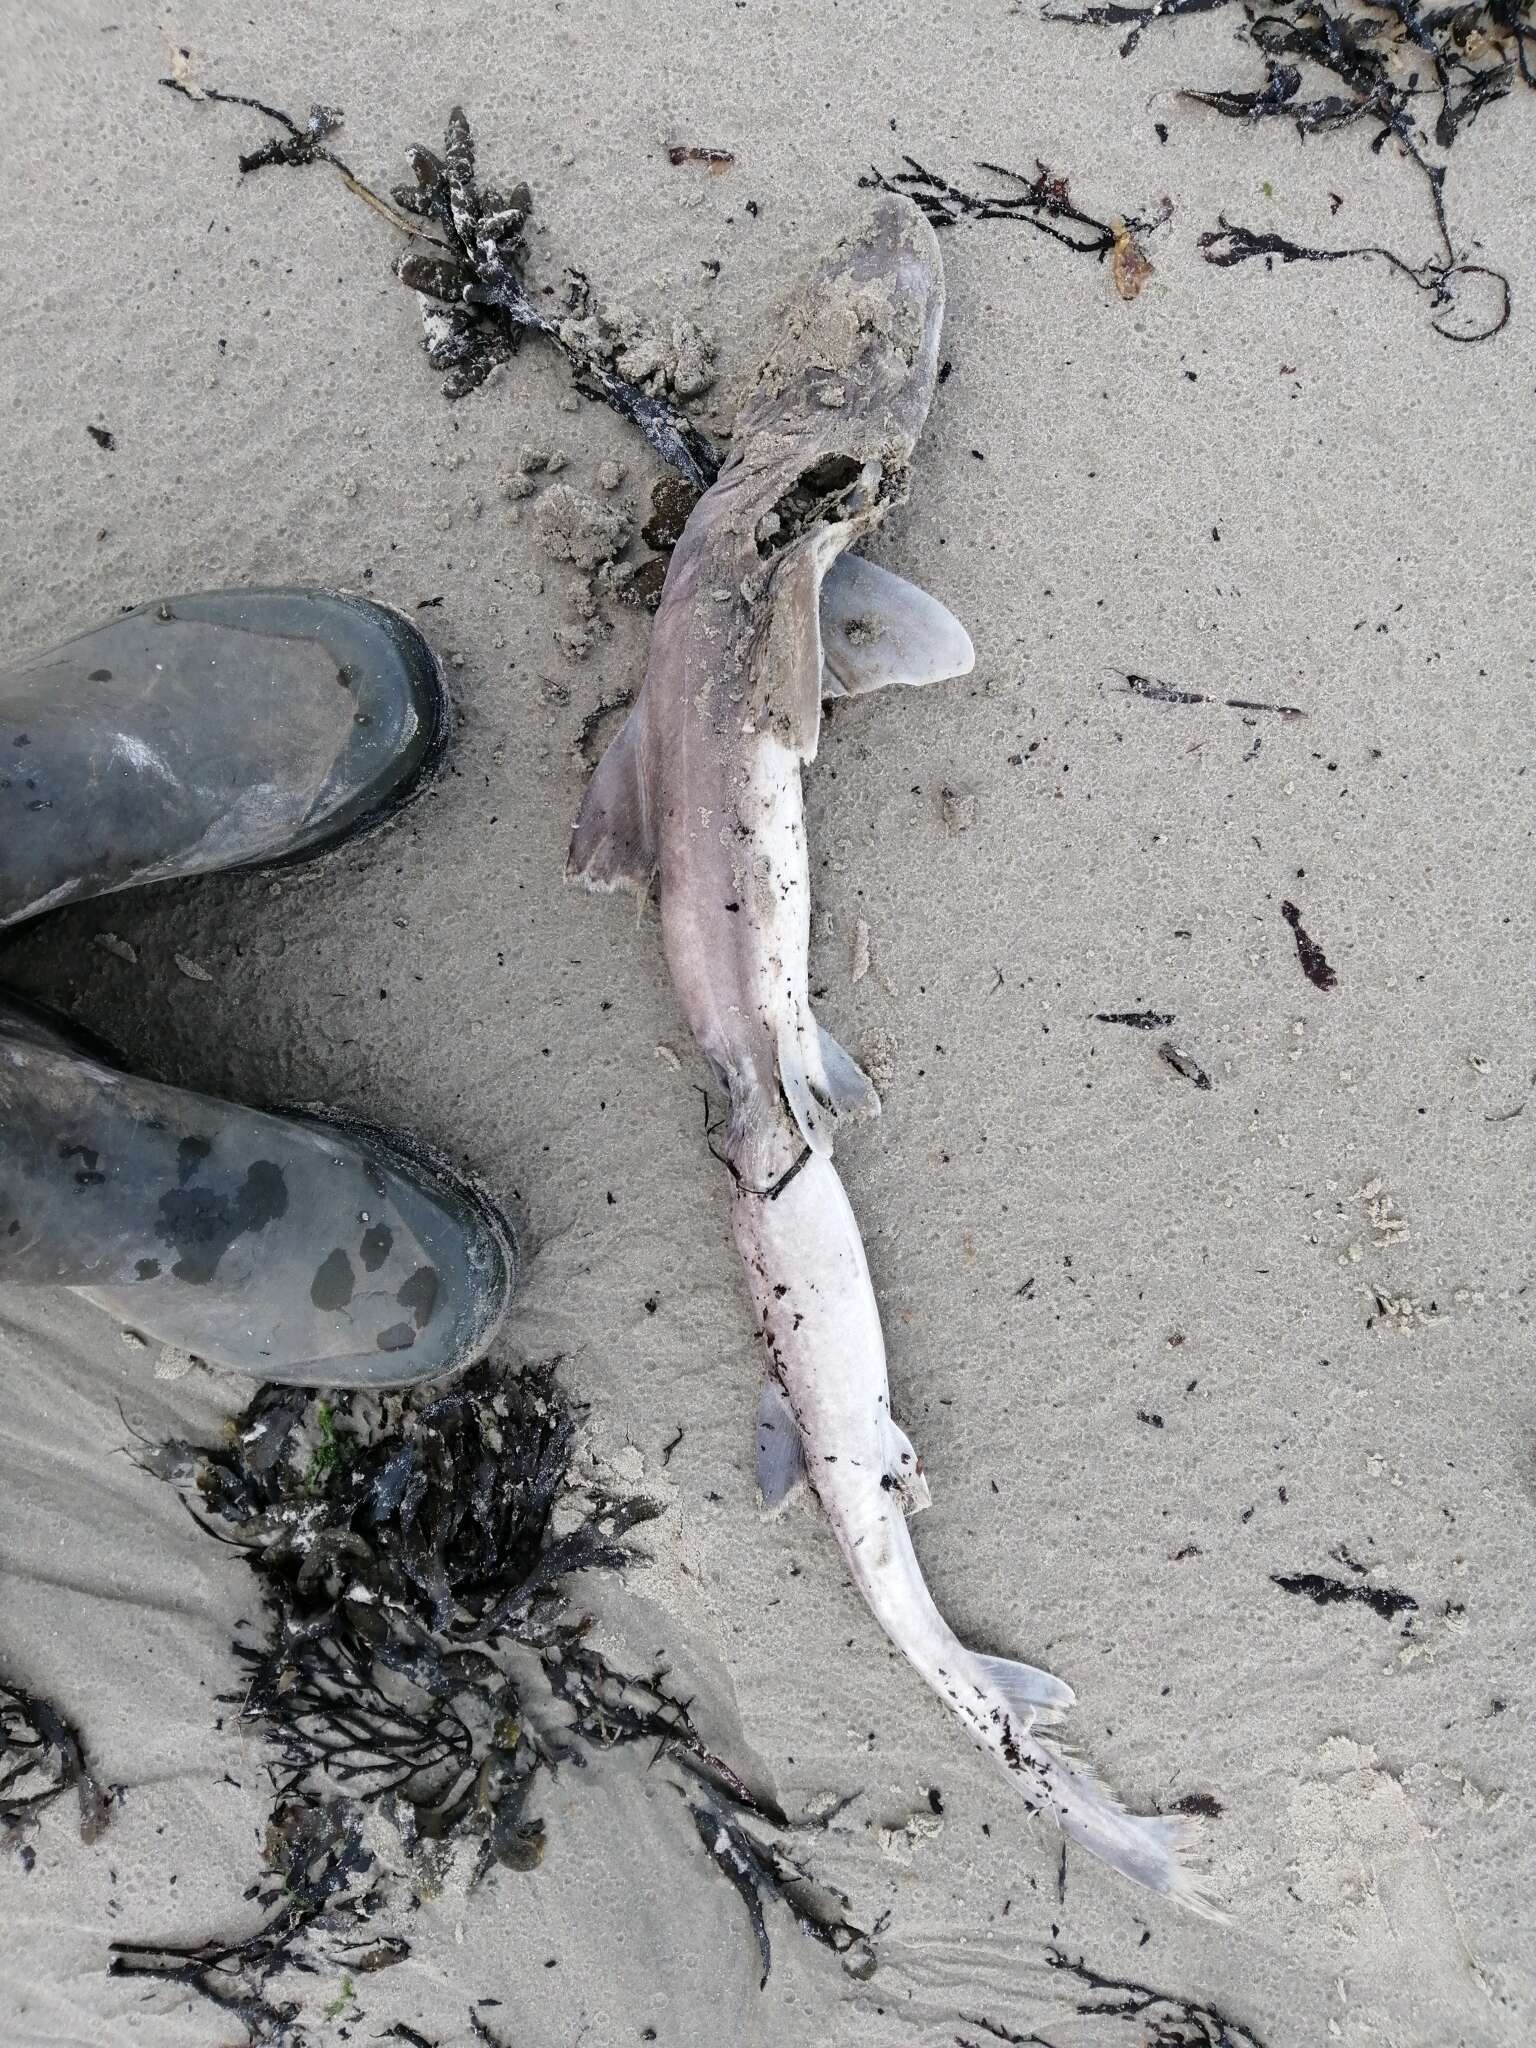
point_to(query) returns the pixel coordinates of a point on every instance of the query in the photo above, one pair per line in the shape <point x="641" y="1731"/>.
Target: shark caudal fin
<point x="878" y="632"/>
<point x="1161" y="1851"/>
<point x="612" y="845"/>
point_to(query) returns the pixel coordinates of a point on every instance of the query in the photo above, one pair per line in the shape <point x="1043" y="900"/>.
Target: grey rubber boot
<point x="229" y="729"/>
<point x="288" y="1248"/>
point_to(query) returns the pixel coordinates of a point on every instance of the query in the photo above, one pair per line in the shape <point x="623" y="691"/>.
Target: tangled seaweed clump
<point x="41" y="1758"/>
<point x="467" y="267"/>
<point x="1415" y="74"/>
<point x="420" y="1664"/>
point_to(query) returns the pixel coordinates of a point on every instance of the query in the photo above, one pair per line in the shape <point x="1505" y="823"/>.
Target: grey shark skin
<point x="762" y="615"/>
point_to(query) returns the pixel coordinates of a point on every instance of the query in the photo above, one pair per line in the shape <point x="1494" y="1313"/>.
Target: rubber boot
<point x="284" y="1247"/>
<point x="230" y="729"/>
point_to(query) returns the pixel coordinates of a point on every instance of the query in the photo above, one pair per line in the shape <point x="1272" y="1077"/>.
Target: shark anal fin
<point x="612" y="846"/>
<point x="878" y="630"/>
<point x="780" y="1455"/>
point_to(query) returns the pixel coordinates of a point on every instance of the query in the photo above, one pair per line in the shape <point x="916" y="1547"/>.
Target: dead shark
<point x="763" y="614"/>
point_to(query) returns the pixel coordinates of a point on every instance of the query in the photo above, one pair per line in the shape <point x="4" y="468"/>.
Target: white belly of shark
<point x="703" y="788"/>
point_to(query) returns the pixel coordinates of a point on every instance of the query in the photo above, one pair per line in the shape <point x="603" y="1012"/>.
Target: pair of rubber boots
<point x="232" y="729"/>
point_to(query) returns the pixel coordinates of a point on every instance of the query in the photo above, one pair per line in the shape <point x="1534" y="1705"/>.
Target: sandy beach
<point x="1158" y="1342"/>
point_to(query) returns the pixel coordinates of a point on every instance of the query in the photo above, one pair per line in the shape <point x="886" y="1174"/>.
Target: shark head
<point x="842" y="397"/>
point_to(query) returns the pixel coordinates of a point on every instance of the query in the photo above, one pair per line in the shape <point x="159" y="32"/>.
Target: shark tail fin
<point x="1159" y="1850"/>
<point x="612" y="845"/>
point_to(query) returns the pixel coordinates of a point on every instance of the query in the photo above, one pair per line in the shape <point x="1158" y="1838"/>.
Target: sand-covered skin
<point x="1279" y="487"/>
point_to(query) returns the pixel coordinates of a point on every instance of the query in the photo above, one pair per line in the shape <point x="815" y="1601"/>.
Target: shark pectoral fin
<point x="904" y="1469"/>
<point x="877" y="630"/>
<point x="780" y="1456"/>
<point x="852" y="1091"/>
<point x="1032" y="1693"/>
<point x="612" y="846"/>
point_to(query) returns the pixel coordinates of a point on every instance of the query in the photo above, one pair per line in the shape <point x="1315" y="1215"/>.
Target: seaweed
<point x="716" y="161"/>
<point x="1043" y="202"/>
<point x="466" y="268"/>
<point x="487" y="306"/>
<point x="761" y="1870"/>
<point x="1164" y="2019"/>
<point x="1139" y="18"/>
<point x="330" y="1884"/>
<point x="1327" y="1592"/>
<point x="1314" y="962"/>
<point x="41" y="1758"/>
<point x="1370" y="67"/>
<point x="407" y="1546"/>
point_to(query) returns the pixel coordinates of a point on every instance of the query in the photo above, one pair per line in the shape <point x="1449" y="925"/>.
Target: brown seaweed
<point x="1157" y="692"/>
<point x="404" y="1544"/>
<point x="1383" y="65"/>
<point x="328" y="1882"/>
<point x="1163" y="2019"/>
<point x="1314" y="961"/>
<point x="468" y="260"/>
<point x="1043" y="202"/>
<point x="1184" y="1063"/>
<point x="1326" y="1592"/>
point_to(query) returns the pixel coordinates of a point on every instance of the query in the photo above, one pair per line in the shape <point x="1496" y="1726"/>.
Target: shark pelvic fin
<point x="612" y="846"/>
<point x="1031" y="1693"/>
<point x="780" y="1454"/>
<point x="821" y="1082"/>
<point x="804" y="1081"/>
<point x="878" y="630"/>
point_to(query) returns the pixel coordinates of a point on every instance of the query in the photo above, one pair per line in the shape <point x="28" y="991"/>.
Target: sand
<point x="1130" y="1330"/>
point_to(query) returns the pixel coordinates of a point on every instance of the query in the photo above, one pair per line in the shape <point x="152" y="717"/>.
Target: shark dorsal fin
<point x="613" y="845"/>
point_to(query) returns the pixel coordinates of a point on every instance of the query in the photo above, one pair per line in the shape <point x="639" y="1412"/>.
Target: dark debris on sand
<point x="404" y="1545"/>
<point x="1326" y="1592"/>
<point x="1410" y="72"/>
<point x="41" y="1758"/>
<point x="1314" y="962"/>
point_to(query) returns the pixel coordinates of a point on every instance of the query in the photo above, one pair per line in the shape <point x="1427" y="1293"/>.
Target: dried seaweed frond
<point x="1389" y="64"/>
<point x="1162" y="2019"/>
<point x="467" y="269"/>
<point x="41" y="1758"/>
<point x="1043" y="202"/>
<point x="329" y="1884"/>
